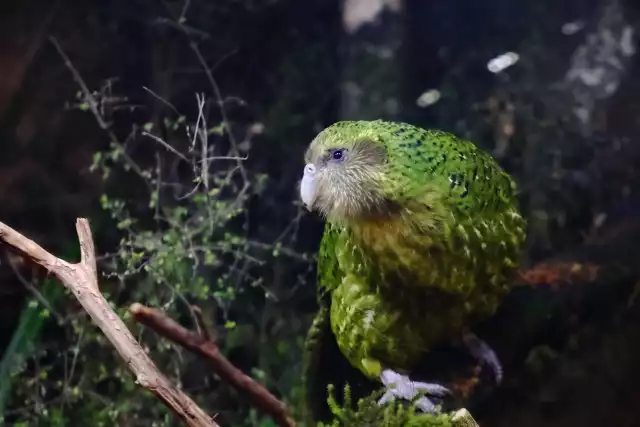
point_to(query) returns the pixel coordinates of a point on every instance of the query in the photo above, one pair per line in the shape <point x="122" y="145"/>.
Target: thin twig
<point x="202" y="325"/>
<point x="200" y="101"/>
<point x="224" y="158"/>
<point x="204" y="141"/>
<point x="218" y="95"/>
<point x="166" y="145"/>
<point x="36" y="293"/>
<point x="185" y="8"/>
<point x="161" y="99"/>
<point x="93" y="105"/>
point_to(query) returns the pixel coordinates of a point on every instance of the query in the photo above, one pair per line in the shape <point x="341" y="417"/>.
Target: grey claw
<point x="400" y="386"/>
<point x="425" y="405"/>
<point x="386" y="397"/>
<point x="484" y="353"/>
<point x="432" y="389"/>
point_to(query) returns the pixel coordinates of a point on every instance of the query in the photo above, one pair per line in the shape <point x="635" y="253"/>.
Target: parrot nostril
<point x="310" y="169"/>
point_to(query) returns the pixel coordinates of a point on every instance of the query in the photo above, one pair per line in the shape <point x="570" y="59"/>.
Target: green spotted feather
<point x="423" y="233"/>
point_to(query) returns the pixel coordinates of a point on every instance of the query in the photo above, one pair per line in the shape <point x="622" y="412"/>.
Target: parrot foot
<point x="484" y="354"/>
<point x="400" y="386"/>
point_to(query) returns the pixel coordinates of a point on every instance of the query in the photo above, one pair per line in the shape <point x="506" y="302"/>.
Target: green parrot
<point x="422" y="234"/>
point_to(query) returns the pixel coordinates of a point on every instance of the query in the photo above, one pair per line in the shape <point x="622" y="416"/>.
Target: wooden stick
<point x="207" y="349"/>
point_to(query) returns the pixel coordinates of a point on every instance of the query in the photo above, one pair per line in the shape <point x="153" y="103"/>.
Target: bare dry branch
<point x="81" y="280"/>
<point x="259" y="395"/>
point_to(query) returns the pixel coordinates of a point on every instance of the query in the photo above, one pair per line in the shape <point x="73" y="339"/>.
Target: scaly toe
<point x="431" y="389"/>
<point x="484" y="353"/>
<point x="425" y="405"/>
<point x="400" y="386"/>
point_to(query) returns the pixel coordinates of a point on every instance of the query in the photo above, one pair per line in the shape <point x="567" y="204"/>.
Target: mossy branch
<point x="395" y="414"/>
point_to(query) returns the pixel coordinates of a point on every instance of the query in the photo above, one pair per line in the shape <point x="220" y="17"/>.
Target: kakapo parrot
<point x="422" y="234"/>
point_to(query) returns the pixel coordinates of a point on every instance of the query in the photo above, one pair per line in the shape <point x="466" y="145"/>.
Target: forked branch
<point x="82" y="280"/>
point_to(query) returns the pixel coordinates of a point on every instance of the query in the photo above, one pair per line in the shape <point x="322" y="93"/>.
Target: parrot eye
<point x="337" y="154"/>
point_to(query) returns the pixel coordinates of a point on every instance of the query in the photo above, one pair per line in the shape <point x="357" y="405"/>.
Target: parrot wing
<point x="323" y="362"/>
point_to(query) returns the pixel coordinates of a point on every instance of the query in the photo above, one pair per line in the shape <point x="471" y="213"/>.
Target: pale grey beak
<point x="308" y="186"/>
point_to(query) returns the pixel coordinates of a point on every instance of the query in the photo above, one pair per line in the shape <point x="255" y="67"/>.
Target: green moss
<point x="394" y="414"/>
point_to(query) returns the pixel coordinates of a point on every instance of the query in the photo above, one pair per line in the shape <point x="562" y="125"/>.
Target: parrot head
<point x="346" y="166"/>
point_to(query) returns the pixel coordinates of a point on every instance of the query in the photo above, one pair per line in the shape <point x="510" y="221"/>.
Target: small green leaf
<point x="229" y="324"/>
